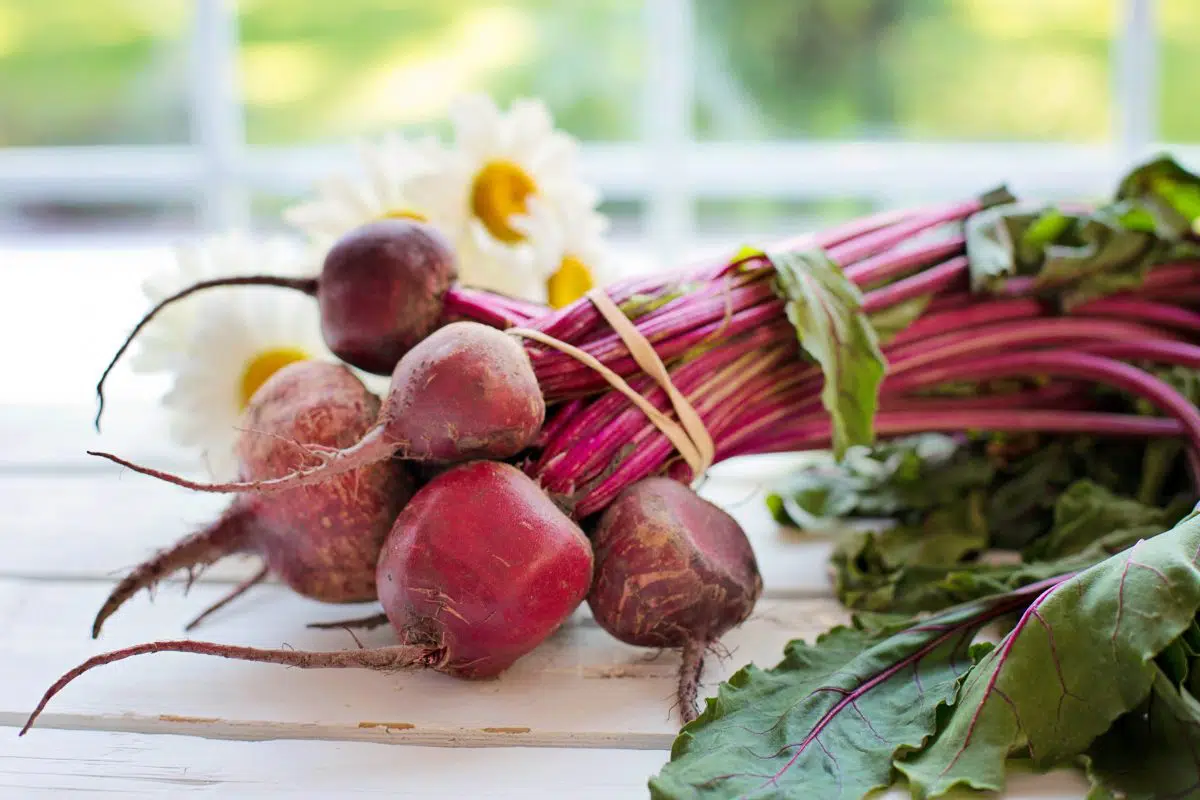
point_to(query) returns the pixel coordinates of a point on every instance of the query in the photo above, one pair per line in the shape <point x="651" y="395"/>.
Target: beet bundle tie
<point x="689" y="436"/>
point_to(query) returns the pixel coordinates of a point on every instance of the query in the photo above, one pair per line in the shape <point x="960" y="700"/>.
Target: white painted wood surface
<point x="583" y="717"/>
<point x="104" y="764"/>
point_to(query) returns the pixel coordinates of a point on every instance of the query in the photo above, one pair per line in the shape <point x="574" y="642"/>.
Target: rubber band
<point x="647" y="358"/>
<point x="689" y="436"/>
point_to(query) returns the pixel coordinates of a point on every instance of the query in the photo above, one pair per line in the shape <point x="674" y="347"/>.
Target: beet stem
<point x="236" y="592"/>
<point x="225" y="536"/>
<point x="371" y="448"/>
<point x="691" y="665"/>
<point x="367" y="623"/>
<point x="306" y="285"/>
<point x="394" y="657"/>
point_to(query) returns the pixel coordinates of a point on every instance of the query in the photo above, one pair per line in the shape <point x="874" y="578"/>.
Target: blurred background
<point x="128" y="125"/>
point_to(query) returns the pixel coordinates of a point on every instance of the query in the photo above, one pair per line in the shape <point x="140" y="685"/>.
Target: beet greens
<point x="838" y="717"/>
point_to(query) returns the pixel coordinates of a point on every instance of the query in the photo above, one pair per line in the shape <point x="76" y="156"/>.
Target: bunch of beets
<point x="508" y="476"/>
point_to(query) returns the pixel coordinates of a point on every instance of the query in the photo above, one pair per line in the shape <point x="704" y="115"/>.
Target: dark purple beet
<point x="322" y="541"/>
<point x="381" y="289"/>
<point x="672" y="570"/>
<point x="380" y="292"/>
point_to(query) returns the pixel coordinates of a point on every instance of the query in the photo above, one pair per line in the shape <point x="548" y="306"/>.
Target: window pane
<point x="917" y="69"/>
<point x="1179" y="88"/>
<point x="316" y="70"/>
<point x="93" y="72"/>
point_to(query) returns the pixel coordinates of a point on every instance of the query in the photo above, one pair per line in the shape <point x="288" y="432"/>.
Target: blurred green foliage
<point x="89" y="71"/>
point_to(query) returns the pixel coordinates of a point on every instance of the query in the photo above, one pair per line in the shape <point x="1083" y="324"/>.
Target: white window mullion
<point x="217" y="123"/>
<point x="1135" y="95"/>
<point x="667" y="123"/>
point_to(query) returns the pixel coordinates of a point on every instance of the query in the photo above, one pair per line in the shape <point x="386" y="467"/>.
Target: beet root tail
<point x="224" y="537"/>
<point x="232" y="595"/>
<point x="371" y="448"/>
<point x="358" y="623"/>
<point x="691" y="665"/>
<point x="306" y="285"/>
<point x="395" y="657"/>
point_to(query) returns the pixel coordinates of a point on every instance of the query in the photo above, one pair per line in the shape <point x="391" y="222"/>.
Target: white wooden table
<point x="583" y="717"/>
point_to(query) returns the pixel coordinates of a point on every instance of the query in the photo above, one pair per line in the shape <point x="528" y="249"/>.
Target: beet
<point x="672" y="571"/>
<point x="323" y="541"/>
<point x="466" y="392"/>
<point x="380" y="292"/>
<point x="479" y="569"/>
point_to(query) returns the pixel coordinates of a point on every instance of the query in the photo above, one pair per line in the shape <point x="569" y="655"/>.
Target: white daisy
<point x="381" y="191"/>
<point x="160" y="345"/>
<point x="499" y="162"/>
<point x="568" y="245"/>
<point x="235" y="342"/>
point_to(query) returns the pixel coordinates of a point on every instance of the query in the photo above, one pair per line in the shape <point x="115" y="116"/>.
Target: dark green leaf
<point x="1072" y="256"/>
<point x="1191" y="637"/>
<point x="862" y="582"/>
<point x="1080" y="657"/>
<point x="1076" y="256"/>
<point x="997" y="196"/>
<point x="896" y="477"/>
<point x="1167" y="192"/>
<point x="1160" y="459"/>
<point x="828" y="720"/>
<point x="931" y="565"/>
<point x="1086" y="513"/>
<point x="825" y="308"/>
<point x="1153" y="751"/>
<point x="890" y="321"/>
<point x="992" y="245"/>
<point x="1175" y="661"/>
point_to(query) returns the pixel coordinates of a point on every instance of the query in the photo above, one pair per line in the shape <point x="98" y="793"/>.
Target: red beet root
<point x="672" y="570"/>
<point x="380" y="292"/>
<point x="482" y="564"/>
<point x="465" y="392"/>
<point x="478" y="570"/>
<point x="322" y="541"/>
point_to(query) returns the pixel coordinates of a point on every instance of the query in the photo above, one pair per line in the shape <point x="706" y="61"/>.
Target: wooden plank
<point x="96" y="526"/>
<point x="55" y="437"/>
<point x="580" y="688"/>
<point x="101" y="764"/>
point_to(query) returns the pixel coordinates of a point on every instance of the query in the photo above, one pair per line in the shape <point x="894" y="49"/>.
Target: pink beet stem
<point x="1128" y="308"/>
<point x="940" y="278"/>
<point x="814" y="433"/>
<point x="889" y="265"/>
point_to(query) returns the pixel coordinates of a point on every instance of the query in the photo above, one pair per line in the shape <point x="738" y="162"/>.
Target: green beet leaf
<point x="894" y="478"/>
<point x="910" y="569"/>
<point x="1152" y="751"/>
<point x="892" y="320"/>
<point x="1076" y="256"/>
<point x="1087" y="512"/>
<point x="825" y="308"/>
<point x="827" y="722"/>
<point x="1167" y="193"/>
<point x="1080" y="656"/>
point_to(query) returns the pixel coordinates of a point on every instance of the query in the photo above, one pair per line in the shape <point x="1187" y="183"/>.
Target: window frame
<point x="667" y="169"/>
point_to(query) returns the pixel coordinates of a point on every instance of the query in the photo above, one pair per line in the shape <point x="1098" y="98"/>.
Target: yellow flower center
<point x="500" y="191"/>
<point x="569" y="283"/>
<point x="404" y="213"/>
<point x="263" y="366"/>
